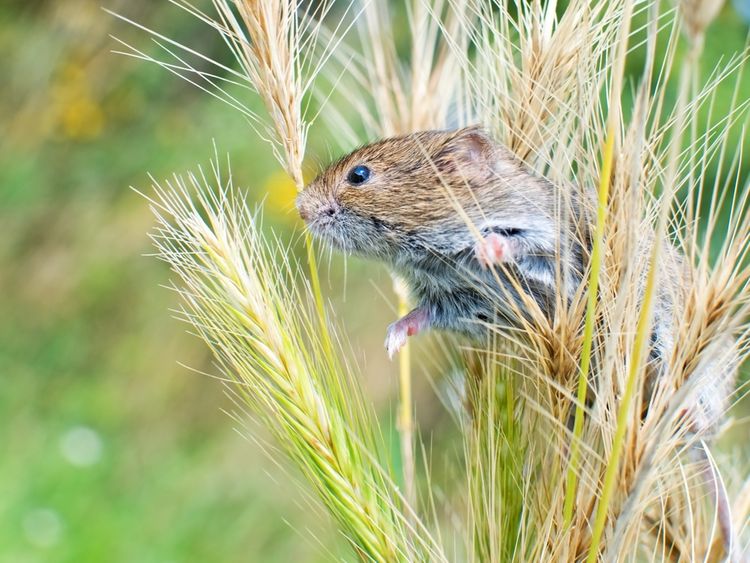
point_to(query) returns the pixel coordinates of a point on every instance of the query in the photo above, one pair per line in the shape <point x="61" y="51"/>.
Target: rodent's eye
<point x="358" y="175"/>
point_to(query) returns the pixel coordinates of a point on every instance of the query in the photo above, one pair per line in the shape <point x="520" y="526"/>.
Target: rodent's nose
<point x="310" y="208"/>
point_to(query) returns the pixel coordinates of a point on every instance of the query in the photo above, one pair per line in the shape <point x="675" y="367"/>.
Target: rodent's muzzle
<point x="324" y="217"/>
<point x="314" y="209"/>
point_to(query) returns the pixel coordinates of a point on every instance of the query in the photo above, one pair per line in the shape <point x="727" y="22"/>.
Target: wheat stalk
<point x="548" y="83"/>
<point x="240" y="295"/>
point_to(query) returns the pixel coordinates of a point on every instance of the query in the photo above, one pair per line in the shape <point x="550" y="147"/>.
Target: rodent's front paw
<point x="492" y="249"/>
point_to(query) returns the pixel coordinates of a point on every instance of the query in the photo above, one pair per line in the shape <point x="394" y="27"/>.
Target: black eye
<point x="358" y="175"/>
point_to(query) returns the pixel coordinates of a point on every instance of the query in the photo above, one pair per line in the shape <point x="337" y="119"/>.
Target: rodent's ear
<point x="465" y="151"/>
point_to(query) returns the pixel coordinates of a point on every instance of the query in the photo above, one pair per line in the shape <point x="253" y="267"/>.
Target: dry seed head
<point x="266" y="43"/>
<point x="420" y="98"/>
<point x="239" y="295"/>
<point x="697" y="16"/>
<point x="543" y="96"/>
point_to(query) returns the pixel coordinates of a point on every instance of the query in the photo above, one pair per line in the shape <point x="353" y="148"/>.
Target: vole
<point x="389" y="201"/>
<point x="443" y="209"/>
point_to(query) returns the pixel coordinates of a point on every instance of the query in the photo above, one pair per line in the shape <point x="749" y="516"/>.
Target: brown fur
<point x="418" y="183"/>
<point x="432" y="195"/>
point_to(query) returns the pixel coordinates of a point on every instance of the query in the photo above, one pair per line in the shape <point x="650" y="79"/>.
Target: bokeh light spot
<point x="81" y="446"/>
<point x="43" y="527"/>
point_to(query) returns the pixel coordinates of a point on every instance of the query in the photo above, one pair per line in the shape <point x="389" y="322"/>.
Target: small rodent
<point x="397" y="201"/>
<point x="442" y="207"/>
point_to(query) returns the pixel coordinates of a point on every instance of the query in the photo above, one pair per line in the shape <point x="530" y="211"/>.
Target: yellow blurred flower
<point x="79" y="114"/>
<point x="82" y="118"/>
<point x="281" y="191"/>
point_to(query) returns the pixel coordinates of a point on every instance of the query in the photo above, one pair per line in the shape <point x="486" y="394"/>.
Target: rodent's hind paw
<point x="492" y="249"/>
<point x="407" y="326"/>
<point x="395" y="339"/>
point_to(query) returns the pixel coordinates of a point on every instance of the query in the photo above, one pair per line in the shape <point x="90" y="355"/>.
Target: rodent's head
<point x="400" y="194"/>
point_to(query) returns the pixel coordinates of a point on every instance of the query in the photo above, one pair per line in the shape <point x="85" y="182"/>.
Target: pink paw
<point x="409" y="325"/>
<point x="395" y="338"/>
<point x="492" y="249"/>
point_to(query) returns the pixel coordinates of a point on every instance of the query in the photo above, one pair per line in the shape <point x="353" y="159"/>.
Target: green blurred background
<point x="111" y="450"/>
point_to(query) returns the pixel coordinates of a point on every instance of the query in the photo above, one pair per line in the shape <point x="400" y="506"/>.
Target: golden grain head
<point x="571" y="448"/>
<point x="697" y="16"/>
